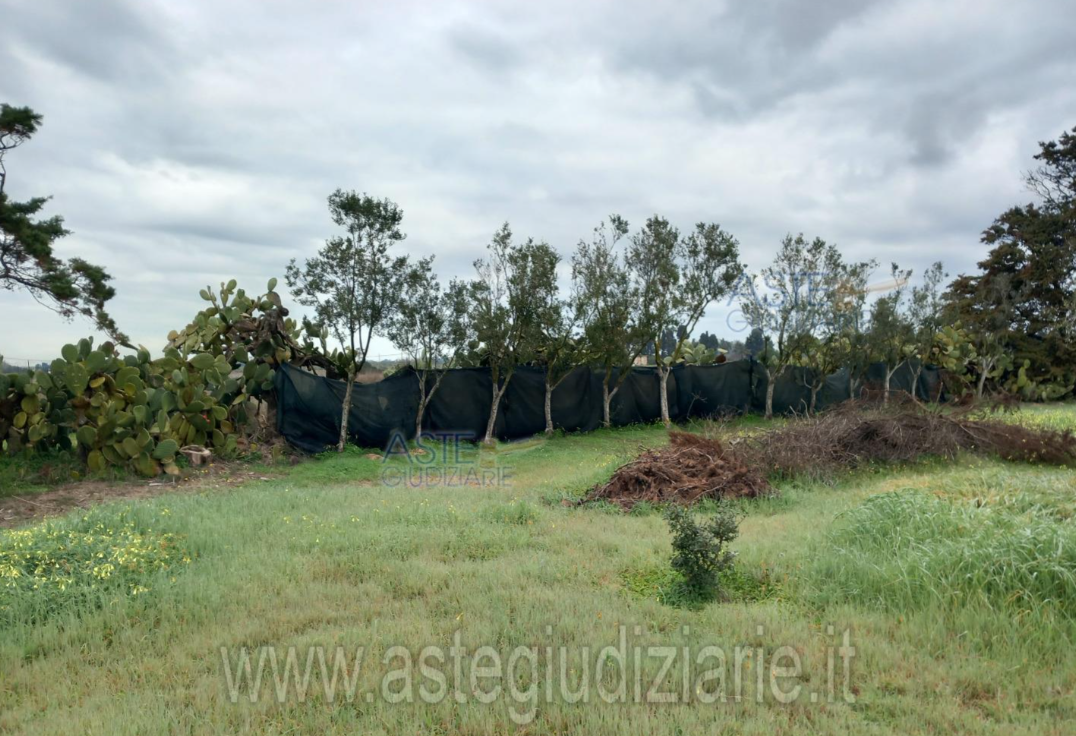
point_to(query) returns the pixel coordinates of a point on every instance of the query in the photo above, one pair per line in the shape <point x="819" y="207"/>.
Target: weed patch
<point x="79" y="564"/>
<point x="666" y="586"/>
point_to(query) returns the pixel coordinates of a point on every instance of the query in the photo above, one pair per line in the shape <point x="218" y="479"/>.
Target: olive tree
<point x="354" y="283"/>
<point x="677" y="279"/>
<point x="892" y="333"/>
<point x="840" y="292"/>
<point x="514" y="282"/>
<point x="791" y="309"/>
<point x="607" y="301"/>
<point x="560" y="349"/>
<point x="432" y="328"/>
<point x="926" y="310"/>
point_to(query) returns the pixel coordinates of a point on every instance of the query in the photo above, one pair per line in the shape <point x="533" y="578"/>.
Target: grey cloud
<point x="108" y="41"/>
<point x="743" y="60"/>
<point x="485" y="48"/>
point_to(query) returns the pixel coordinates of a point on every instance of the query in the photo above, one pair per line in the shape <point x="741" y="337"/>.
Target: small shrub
<point x="700" y="551"/>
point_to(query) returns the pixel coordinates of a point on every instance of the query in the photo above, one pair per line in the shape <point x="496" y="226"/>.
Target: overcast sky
<point x="186" y="143"/>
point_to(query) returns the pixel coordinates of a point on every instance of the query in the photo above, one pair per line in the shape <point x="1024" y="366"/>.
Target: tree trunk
<point x="916" y="372"/>
<point x="769" y="394"/>
<point x="346" y="411"/>
<point x="548" y="405"/>
<point x="664" y="373"/>
<point x="814" y="400"/>
<point x="498" y="392"/>
<point x="607" y="398"/>
<point x="885" y="385"/>
<point x="422" y="399"/>
<point x="983" y="369"/>
<point x="488" y="439"/>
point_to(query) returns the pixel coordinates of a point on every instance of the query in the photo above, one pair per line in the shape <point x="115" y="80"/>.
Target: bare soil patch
<point x="26" y="508"/>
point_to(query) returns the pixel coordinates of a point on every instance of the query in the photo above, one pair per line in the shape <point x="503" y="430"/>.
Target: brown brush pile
<point x="690" y="468"/>
<point x="850" y="436"/>
<point x="693" y="467"/>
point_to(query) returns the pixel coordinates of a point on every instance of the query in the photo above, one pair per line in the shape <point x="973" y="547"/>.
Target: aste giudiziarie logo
<point x="442" y="459"/>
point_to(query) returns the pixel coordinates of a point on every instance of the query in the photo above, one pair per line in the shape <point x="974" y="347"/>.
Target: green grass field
<point x="956" y="583"/>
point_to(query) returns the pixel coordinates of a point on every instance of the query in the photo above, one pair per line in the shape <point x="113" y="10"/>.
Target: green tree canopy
<point x="354" y="283"/>
<point x="1030" y="273"/>
<point x="28" y="261"/>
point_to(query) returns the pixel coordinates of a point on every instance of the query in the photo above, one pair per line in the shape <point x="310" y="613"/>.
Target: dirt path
<point x="26" y="508"/>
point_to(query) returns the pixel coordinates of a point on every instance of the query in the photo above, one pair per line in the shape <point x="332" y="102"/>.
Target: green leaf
<point x="87" y="435"/>
<point x="30" y="404"/>
<point x="70" y="353"/>
<point x="96" y="461"/>
<point x="77" y="378"/>
<point x="112" y="455"/>
<point x="166" y="449"/>
<point x="203" y="361"/>
<point x="96" y="361"/>
<point x="146" y="465"/>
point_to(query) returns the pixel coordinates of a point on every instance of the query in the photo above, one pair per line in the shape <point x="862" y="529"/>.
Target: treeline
<point x="630" y="293"/>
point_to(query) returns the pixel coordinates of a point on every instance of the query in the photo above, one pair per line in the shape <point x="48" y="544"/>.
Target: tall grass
<point x="907" y="551"/>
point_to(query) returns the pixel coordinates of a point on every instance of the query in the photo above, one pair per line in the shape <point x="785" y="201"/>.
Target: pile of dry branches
<point x="693" y="467"/>
<point x="690" y="468"/>
<point x="852" y="435"/>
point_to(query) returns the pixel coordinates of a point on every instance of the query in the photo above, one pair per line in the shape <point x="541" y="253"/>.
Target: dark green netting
<point x="308" y="406"/>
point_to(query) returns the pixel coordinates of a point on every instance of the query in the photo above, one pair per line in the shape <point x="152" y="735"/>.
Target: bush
<point x="700" y="551"/>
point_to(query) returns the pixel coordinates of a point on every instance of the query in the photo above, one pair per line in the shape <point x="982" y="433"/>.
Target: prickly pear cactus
<point x="252" y="333"/>
<point x="126" y="411"/>
<point x="135" y="412"/>
<point x="27" y="413"/>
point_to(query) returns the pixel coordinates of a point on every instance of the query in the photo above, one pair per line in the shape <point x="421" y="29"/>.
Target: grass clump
<point x="665" y="585"/>
<point x="77" y="564"/>
<point x="907" y="550"/>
